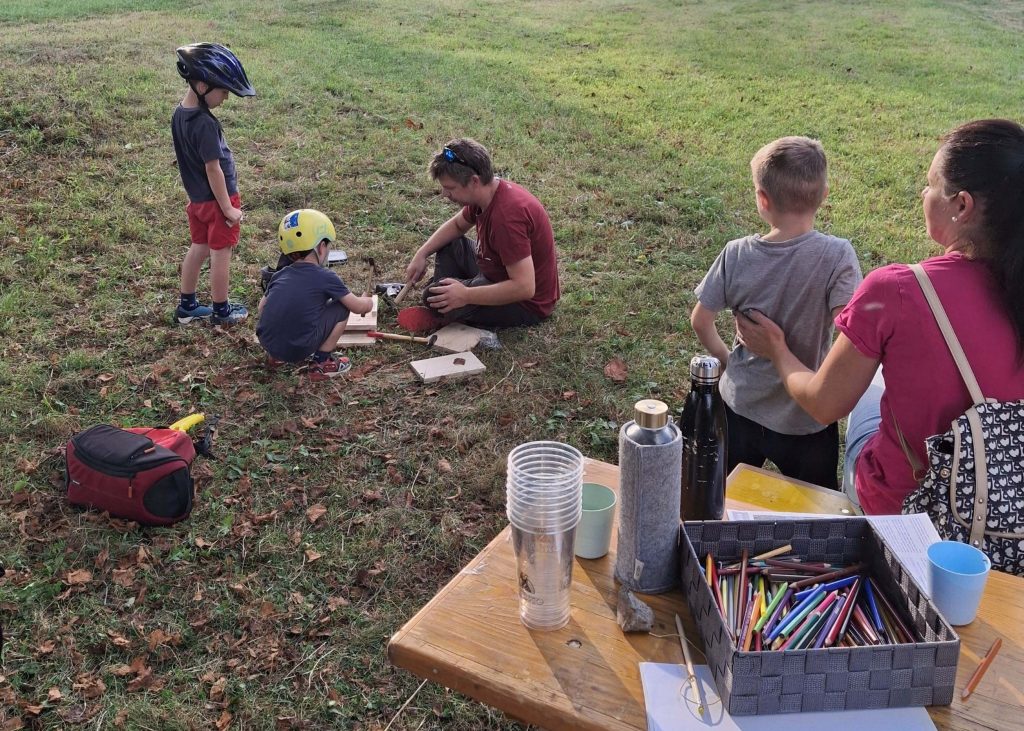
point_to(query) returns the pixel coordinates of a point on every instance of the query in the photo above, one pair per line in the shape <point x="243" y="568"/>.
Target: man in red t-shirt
<point x="509" y="277"/>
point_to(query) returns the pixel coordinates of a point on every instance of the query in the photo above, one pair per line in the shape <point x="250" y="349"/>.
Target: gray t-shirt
<point x="199" y="139"/>
<point x="796" y="283"/>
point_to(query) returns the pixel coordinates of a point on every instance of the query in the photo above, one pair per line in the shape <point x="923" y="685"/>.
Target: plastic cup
<point x="543" y="492"/>
<point x="958" y="572"/>
<point x="594" y="532"/>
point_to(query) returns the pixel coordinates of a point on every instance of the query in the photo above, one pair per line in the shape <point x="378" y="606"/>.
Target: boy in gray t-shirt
<point x="801" y="279"/>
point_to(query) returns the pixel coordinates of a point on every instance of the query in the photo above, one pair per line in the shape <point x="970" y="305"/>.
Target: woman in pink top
<point x="974" y="209"/>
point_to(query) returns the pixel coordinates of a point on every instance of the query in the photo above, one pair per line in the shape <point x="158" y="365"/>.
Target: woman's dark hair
<point x="986" y="159"/>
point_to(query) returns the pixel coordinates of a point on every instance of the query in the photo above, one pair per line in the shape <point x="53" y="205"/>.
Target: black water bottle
<point x="703" y="426"/>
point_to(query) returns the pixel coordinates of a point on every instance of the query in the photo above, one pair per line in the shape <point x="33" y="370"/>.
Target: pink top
<point x="889" y="319"/>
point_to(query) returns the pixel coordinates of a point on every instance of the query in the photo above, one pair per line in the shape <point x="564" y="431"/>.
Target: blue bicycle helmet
<point x="215" y="65"/>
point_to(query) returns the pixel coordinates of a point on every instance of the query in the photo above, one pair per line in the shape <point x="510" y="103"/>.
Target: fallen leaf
<point x="267" y="609"/>
<point x="53" y="695"/>
<point x="444" y="466"/>
<point x="616" y="370"/>
<point x="158" y="637"/>
<point x="315" y="512"/>
<point x="217" y="689"/>
<point x="13" y="724"/>
<point x="46" y="647"/>
<point x="413" y="124"/>
<point x="224" y="721"/>
<point x="80" y="576"/>
<point x="121" y="717"/>
<point x="337" y="601"/>
<point x="118" y="639"/>
<point x="105" y="377"/>
<point x="203" y="543"/>
<point x="568" y="395"/>
<point x="312" y="555"/>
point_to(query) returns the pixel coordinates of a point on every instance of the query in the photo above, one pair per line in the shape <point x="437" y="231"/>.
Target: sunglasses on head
<point x="452" y="156"/>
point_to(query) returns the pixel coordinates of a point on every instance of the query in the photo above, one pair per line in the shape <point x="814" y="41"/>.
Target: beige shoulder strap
<point x="947" y="332"/>
<point x="977" y="526"/>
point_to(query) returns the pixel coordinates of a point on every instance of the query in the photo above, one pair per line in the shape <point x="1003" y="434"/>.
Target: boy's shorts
<point x="283" y="347"/>
<point x="207" y="225"/>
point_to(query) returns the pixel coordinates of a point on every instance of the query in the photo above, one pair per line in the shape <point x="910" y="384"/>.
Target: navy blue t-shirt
<point x="198" y="139"/>
<point x="291" y="325"/>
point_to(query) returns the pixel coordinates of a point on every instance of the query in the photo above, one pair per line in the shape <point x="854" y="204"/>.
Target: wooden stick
<point x="978" y="674"/>
<point x="689" y="666"/>
<point x="401" y="338"/>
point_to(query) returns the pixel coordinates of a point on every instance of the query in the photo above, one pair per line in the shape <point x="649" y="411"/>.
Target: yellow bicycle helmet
<point x="303" y="229"/>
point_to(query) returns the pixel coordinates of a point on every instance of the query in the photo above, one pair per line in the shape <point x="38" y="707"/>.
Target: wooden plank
<point x="363" y="322"/>
<point x="448" y="367"/>
<point x="456" y="337"/>
<point x="586" y="675"/>
<point x="356" y="340"/>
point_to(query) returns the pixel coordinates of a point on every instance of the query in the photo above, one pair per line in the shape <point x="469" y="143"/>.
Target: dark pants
<point x="457" y="260"/>
<point x="812" y="458"/>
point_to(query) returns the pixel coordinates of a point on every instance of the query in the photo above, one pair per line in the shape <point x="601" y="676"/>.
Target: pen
<point x="689" y="666"/>
<point x="985" y="662"/>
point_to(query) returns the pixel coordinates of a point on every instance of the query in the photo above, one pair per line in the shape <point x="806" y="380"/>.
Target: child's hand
<point x="232" y="216"/>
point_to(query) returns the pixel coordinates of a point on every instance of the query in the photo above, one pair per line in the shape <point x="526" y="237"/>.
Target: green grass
<point x="633" y="123"/>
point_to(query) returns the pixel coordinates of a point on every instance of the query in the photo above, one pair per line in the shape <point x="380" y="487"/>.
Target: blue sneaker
<point x="199" y="313"/>
<point x="236" y="314"/>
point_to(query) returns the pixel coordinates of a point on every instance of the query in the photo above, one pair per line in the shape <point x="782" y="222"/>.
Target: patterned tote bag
<point x="974" y="486"/>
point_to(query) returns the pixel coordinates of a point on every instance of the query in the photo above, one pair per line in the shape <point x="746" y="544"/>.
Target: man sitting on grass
<point x="509" y="277"/>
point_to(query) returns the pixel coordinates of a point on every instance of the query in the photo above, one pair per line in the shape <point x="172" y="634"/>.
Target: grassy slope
<point x="633" y="122"/>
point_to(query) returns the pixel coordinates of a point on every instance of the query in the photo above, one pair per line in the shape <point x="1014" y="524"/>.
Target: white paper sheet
<point x="670" y="707"/>
<point x="909" y="536"/>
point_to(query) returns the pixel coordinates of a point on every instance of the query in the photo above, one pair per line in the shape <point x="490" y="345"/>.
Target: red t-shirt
<point x="513" y="227"/>
<point x="889" y="318"/>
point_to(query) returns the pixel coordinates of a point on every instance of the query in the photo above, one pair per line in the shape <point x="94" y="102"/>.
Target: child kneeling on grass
<point x="306" y="307"/>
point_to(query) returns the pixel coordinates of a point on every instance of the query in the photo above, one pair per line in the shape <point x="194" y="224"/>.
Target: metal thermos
<point x="650" y="447"/>
<point x="704" y="431"/>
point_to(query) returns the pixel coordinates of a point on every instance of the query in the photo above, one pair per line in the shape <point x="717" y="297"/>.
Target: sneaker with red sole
<point x="420" y="319"/>
<point x="329" y="368"/>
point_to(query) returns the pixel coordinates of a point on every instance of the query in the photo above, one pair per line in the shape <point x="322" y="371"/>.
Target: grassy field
<point x="333" y="511"/>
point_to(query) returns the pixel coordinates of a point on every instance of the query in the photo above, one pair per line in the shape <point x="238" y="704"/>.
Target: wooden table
<point x="586" y="675"/>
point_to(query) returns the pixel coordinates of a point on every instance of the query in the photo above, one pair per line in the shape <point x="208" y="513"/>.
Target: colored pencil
<point x="780" y="551"/>
<point x="982" y="669"/>
<point x="824" y="578"/>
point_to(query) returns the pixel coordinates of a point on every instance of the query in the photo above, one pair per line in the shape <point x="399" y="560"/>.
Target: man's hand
<point x="760" y="335"/>
<point x="416" y="269"/>
<point x="232" y="216"/>
<point x="448" y="295"/>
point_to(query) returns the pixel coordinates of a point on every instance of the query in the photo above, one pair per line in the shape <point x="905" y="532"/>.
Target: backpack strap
<point x="947" y="333"/>
<point x="980" y="511"/>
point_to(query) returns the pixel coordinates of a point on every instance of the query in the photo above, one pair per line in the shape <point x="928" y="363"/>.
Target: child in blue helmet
<point x="306" y="307"/>
<point x="208" y="173"/>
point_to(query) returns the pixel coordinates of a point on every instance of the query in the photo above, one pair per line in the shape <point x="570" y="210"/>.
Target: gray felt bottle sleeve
<point x="647" y="559"/>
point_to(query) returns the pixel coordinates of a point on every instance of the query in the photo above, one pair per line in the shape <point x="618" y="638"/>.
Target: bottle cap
<point x="650" y="413"/>
<point x="705" y="368"/>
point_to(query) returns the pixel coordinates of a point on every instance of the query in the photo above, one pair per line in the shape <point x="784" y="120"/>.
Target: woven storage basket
<point x="827" y="679"/>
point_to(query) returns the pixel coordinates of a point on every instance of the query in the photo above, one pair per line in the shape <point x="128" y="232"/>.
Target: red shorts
<point x="208" y="226"/>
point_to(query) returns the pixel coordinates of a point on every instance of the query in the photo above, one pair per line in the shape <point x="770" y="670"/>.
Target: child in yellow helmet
<point x="306" y="307"/>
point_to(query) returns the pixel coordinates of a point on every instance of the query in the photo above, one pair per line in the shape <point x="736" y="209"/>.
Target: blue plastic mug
<point x="958" y="573"/>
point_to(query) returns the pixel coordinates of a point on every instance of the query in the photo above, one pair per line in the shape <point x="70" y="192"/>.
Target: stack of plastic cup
<point x="544" y="490"/>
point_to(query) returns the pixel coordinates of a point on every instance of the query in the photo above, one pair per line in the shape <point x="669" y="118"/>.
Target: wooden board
<point x="585" y="677"/>
<point x="456" y="338"/>
<point x="362" y="323"/>
<point x="449" y="367"/>
<point x="356" y="340"/>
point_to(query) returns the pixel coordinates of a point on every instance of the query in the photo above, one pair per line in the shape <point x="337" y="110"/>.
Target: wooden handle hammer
<point x="401" y="295"/>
